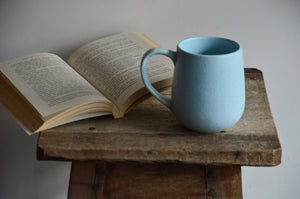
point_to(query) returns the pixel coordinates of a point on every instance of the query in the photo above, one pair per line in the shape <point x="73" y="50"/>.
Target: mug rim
<point x="239" y="48"/>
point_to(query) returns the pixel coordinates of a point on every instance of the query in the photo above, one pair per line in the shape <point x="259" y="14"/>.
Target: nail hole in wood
<point x="212" y="193"/>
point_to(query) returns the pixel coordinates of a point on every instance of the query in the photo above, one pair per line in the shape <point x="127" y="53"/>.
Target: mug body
<point x="208" y="91"/>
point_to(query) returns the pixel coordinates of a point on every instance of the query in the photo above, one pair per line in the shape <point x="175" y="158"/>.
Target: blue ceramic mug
<point x="208" y="90"/>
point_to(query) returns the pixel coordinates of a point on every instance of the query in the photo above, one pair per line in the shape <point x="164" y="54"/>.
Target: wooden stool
<point x="148" y="154"/>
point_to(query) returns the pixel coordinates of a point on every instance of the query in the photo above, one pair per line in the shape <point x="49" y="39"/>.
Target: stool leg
<point x="108" y="180"/>
<point x="223" y="182"/>
<point x="86" y="180"/>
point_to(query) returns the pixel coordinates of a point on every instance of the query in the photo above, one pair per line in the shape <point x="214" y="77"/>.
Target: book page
<point x="112" y="65"/>
<point x="48" y="82"/>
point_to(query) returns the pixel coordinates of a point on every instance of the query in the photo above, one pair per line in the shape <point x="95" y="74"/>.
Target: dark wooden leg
<point x="108" y="180"/>
<point x="223" y="182"/>
<point x="86" y="180"/>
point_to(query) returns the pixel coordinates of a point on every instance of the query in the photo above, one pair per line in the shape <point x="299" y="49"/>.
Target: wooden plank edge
<point x="271" y="157"/>
<point x="253" y="70"/>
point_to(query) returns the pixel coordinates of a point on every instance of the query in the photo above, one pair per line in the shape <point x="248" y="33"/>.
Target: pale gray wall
<point x="268" y="31"/>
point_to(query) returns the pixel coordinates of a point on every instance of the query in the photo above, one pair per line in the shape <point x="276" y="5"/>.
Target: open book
<point x="42" y="91"/>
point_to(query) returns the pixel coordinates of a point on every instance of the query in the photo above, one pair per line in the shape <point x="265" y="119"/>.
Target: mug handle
<point x="156" y="51"/>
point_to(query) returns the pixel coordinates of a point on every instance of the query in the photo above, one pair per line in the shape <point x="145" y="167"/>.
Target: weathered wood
<point x="150" y="132"/>
<point x="108" y="180"/>
<point x="86" y="180"/>
<point x="223" y="182"/>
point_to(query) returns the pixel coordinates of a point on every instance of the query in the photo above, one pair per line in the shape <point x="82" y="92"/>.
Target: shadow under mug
<point x="208" y="89"/>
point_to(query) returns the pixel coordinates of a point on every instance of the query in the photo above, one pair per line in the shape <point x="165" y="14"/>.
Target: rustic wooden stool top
<point x="149" y="152"/>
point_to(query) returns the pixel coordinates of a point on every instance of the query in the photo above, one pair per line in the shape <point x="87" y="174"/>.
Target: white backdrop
<point x="268" y="31"/>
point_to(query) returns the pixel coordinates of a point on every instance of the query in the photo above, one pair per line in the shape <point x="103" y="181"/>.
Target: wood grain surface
<point x="150" y="133"/>
<point x="107" y="180"/>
